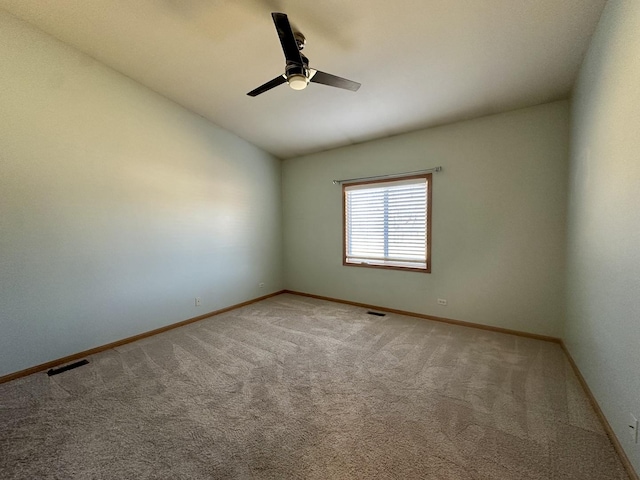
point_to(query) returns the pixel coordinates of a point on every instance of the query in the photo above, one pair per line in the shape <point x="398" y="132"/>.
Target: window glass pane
<point x="386" y="223"/>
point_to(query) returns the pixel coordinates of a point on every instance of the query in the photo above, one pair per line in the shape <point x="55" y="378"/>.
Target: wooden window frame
<point x="429" y="180"/>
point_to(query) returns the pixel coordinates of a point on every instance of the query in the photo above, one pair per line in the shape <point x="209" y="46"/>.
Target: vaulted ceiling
<point x="421" y="62"/>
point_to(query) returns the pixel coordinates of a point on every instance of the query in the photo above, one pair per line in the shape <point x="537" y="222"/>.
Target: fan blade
<point x="287" y="40"/>
<point x="334" y="81"/>
<point x="268" y="86"/>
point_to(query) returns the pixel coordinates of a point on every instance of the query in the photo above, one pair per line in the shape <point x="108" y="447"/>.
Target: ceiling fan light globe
<point x="298" y="82"/>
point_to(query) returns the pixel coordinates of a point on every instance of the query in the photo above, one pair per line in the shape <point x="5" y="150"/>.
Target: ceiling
<point x="421" y="62"/>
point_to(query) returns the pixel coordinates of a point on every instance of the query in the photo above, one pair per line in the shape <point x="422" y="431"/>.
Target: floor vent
<point x="55" y="371"/>
<point x="377" y="314"/>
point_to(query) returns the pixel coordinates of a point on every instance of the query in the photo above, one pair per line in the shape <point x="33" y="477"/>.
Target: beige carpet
<point x="293" y="387"/>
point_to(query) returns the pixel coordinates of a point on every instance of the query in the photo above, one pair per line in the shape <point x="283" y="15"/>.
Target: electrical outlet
<point x="442" y="301"/>
<point x="633" y="429"/>
<point x="261" y="285"/>
<point x="198" y="302"/>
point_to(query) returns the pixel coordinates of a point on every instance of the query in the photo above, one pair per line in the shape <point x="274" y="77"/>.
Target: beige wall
<point x="603" y="321"/>
<point x="499" y="211"/>
<point x="117" y="206"/>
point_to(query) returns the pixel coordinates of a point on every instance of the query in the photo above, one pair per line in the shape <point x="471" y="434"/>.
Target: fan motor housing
<point x="293" y="69"/>
<point x="297" y="76"/>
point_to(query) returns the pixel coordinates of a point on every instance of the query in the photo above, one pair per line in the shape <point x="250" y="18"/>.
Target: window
<point x="387" y="223"/>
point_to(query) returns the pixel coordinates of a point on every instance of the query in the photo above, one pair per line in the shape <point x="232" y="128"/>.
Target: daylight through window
<point x="387" y="223"/>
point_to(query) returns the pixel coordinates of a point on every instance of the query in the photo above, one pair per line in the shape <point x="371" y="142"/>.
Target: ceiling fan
<point x="297" y="72"/>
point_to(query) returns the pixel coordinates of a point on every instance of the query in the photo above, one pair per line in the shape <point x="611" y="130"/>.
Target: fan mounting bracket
<point x="301" y="40"/>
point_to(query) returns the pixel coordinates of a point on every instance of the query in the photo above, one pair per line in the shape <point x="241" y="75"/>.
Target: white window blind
<point x="386" y="223"/>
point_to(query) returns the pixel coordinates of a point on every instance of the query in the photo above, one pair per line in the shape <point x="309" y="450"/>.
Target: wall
<point x="117" y="206"/>
<point x="603" y="291"/>
<point x="499" y="212"/>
